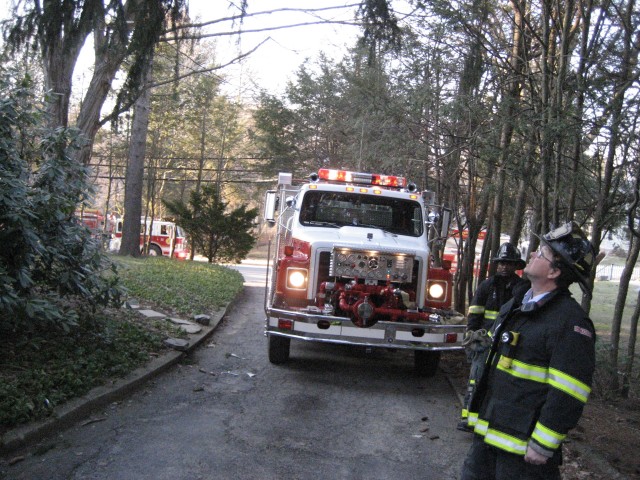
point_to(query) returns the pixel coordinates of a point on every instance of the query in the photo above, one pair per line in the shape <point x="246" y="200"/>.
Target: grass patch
<point x="605" y="294"/>
<point x="604" y="301"/>
<point x="44" y="369"/>
<point x="184" y="288"/>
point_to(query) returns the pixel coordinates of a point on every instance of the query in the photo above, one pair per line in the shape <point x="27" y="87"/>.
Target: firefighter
<point x="538" y="372"/>
<point x="490" y="295"/>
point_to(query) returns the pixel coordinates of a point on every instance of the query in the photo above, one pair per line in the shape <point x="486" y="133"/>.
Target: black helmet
<point x="571" y="244"/>
<point x="508" y="253"/>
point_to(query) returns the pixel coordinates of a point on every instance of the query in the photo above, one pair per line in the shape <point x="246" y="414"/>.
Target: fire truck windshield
<point x="395" y="215"/>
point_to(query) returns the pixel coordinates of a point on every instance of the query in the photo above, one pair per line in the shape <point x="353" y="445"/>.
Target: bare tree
<point x="511" y="100"/>
<point x="135" y="172"/>
<point x="622" y="82"/>
<point x="121" y="30"/>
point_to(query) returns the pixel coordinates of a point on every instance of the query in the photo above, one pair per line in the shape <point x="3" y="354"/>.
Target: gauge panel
<point x="371" y="265"/>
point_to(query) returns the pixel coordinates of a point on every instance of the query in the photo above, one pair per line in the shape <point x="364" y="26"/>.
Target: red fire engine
<point x="163" y="237"/>
<point x="352" y="264"/>
<point x="94" y="220"/>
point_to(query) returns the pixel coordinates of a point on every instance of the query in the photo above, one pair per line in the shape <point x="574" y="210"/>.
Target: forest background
<point x="521" y="115"/>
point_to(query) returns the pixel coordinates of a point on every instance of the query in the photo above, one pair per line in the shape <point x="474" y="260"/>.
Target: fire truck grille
<point x="326" y="273"/>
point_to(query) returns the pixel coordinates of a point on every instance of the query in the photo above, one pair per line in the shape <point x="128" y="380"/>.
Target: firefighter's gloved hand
<point x="477" y="340"/>
<point x="467" y="337"/>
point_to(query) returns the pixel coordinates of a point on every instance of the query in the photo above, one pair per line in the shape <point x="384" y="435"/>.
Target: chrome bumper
<point x="384" y="334"/>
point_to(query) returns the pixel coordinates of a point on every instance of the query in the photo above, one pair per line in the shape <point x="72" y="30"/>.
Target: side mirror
<point x="439" y="219"/>
<point x="270" y="204"/>
<point x="445" y="222"/>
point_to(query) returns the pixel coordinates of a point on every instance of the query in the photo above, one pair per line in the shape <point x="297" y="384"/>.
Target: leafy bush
<point x="48" y="259"/>
<point x="221" y="235"/>
<point x="44" y="371"/>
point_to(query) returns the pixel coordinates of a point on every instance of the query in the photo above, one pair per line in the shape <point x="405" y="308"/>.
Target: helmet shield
<point x="574" y="249"/>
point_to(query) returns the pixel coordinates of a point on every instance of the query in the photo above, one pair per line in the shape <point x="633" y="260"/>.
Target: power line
<point x="231" y="170"/>
<point x="178" y="180"/>
<point x="195" y="159"/>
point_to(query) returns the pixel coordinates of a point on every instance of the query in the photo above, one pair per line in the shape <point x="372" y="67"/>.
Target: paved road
<point x="226" y="413"/>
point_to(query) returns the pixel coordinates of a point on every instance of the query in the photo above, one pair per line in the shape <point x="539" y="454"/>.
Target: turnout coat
<point x="490" y="295"/>
<point x="538" y="375"/>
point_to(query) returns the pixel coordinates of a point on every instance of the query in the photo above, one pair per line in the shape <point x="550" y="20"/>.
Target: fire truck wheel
<point x="154" y="251"/>
<point x="279" y="349"/>
<point x="426" y="363"/>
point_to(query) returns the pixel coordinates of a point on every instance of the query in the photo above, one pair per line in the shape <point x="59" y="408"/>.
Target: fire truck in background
<point x="162" y="236"/>
<point x="101" y="227"/>
<point x="352" y="264"/>
<point x="93" y="219"/>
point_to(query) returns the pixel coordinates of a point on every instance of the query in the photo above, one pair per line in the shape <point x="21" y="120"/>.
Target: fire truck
<point x="351" y="263"/>
<point x="162" y="236"/>
<point x="98" y="224"/>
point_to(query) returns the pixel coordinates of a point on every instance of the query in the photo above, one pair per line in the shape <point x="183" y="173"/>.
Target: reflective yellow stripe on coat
<point x="491" y="314"/>
<point x="547" y="437"/>
<point x="505" y="442"/>
<point x="555" y="378"/>
<point x="569" y="385"/>
<point x="494" y="437"/>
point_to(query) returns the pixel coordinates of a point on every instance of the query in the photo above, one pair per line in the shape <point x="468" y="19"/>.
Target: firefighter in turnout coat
<point x="490" y="295"/>
<point x="538" y="372"/>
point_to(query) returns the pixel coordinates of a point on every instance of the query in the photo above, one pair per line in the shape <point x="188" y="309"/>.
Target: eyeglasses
<point x="539" y="254"/>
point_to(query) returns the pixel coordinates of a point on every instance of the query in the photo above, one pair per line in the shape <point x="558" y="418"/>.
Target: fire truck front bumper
<point x="383" y="334"/>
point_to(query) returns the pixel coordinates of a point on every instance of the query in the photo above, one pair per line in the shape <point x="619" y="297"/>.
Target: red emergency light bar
<point x="346" y="176"/>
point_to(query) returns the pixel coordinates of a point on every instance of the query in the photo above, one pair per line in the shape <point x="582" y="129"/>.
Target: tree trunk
<point x="60" y="57"/>
<point x="60" y="50"/>
<point x="58" y="71"/>
<point x="135" y="171"/>
<point x="630" y="263"/>
<point x="618" y="311"/>
<point x="565" y="16"/>
<point x="623" y="83"/>
<point x="107" y="65"/>
<point x="581" y="81"/>
<point x="515" y="231"/>
<point x="465" y="125"/>
<point x="631" y="350"/>
<point x="510" y="102"/>
<point x="546" y="147"/>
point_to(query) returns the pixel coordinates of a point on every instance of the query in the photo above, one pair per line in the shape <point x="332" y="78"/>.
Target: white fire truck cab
<point x="352" y="265"/>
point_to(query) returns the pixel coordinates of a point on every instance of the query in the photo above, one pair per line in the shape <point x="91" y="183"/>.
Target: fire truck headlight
<point x="297" y="278"/>
<point x="436" y="291"/>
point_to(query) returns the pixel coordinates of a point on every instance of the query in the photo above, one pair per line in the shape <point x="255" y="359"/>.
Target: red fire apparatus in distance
<point x="164" y="235"/>
<point x="352" y="264"/>
<point x="95" y="221"/>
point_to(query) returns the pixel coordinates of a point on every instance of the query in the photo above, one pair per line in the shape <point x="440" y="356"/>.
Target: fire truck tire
<point x="426" y="363"/>
<point x="279" y="349"/>
<point x="154" y="251"/>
